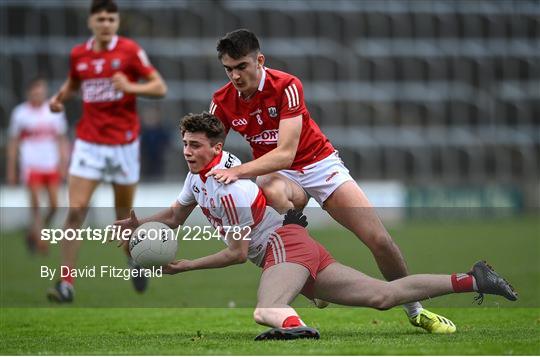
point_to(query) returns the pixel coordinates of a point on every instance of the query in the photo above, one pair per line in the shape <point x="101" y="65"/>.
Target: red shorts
<point x="42" y="178"/>
<point x="292" y="244"/>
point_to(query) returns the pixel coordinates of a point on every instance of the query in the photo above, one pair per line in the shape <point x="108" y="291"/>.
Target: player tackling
<point x="294" y="160"/>
<point x="292" y="262"/>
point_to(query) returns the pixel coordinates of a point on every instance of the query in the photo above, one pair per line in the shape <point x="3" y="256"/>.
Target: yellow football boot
<point x="433" y="323"/>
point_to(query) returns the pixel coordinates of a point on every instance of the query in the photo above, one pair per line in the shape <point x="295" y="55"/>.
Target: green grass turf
<point x="105" y="318"/>
<point x="75" y="331"/>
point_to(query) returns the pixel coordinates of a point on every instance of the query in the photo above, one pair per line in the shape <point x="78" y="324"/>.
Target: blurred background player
<point x="293" y="159"/>
<point x="107" y="69"/>
<point x="155" y="140"/>
<point x="38" y="137"/>
<point x="292" y="262"/>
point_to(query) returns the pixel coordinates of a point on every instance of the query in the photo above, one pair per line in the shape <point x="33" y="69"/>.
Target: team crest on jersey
<point x="82" y="66"/>
<point x="98" y="65"/>
<point x="115" y="64"/>
<point x="272" y="111"/>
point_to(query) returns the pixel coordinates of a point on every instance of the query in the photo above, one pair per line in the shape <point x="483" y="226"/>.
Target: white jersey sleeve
<point x="186" y="197"/>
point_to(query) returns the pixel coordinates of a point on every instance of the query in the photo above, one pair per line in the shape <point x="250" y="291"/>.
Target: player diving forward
<point x="292" y="262"/>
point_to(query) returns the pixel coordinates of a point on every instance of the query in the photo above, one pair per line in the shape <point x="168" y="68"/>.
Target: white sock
<point x="412" y="308"/>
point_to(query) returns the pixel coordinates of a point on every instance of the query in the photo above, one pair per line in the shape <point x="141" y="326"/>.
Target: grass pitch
<point x="188" y="314"/>
<point x="173" y="331"/>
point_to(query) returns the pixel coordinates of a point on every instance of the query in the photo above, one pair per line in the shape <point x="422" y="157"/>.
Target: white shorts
<point x="111" y="163"/>
<point x="321" y="179"/>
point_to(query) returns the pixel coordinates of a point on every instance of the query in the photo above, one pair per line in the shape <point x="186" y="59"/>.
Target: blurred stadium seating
<point x="419" y="91"/>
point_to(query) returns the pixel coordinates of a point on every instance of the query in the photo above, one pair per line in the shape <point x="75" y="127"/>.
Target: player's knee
<point x="276" y="197"/>
<point x="382" y="300"/>
<point x="75" y="216"/>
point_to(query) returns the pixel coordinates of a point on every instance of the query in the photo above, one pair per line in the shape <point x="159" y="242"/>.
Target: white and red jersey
<point x="241" y="204"/>
<point x="280" y="96"/>
<point x="38" y="129"/>
<point x="109" y="116"/>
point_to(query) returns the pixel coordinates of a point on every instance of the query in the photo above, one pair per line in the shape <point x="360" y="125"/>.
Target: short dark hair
<point x="34" y="82"/>
<point x="237" y="43"/>
<point x="205" y="123"/>
<point x="103" y="5"/>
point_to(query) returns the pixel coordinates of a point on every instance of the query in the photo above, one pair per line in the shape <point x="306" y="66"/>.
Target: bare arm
<point x="11" y="171"/>
<point x="68" y="89"/>
<point x="280" y="158"/>
<point x="235" y="253"/>
<point x="154" y="86"/>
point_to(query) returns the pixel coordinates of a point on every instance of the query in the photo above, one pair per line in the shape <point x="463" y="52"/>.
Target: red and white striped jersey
<point x="38" y="130"/>
<point x="280" y="96"/>
<point x="241" y="204"/>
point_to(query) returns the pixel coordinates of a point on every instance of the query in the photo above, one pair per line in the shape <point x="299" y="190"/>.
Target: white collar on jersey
<point x="261" y="83"/>
<point x="224" y="160"/>
<point x="110" y="46"/>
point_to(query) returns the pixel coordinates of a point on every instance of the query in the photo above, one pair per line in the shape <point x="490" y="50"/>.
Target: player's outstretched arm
<point x="153" y="87"/>
<point x="68" y="89"/>
<point x="281" y="158"/>
<point x="235" y="253"/>
<point x="172" y="217"/>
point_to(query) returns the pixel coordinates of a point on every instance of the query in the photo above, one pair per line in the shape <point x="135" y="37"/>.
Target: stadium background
<point x="436" y="103"/>
<point x="424" y="92"/>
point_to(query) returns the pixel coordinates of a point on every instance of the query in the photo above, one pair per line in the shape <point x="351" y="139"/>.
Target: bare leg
<point x="343" y="285"/>
<point x="123" y="202"/>
<point x="52" y="191"/>
<point x="349" y="206"/>
<point x="281" y="193"/>
<point x="80" y="192"/>
<point x="279" y="286"/>
<point x="34" y="231"/>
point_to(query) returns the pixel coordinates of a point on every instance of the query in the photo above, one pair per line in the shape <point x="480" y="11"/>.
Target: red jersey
<point x="280" y="96"/>
<point x="109" y="116"/>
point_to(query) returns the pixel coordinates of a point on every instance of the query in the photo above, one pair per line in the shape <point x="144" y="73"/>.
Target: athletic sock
<point x="412" y="308"/>
<point x="69" y="278"/>
<point x="463" y="283"/>
<point x="292" y="321"/>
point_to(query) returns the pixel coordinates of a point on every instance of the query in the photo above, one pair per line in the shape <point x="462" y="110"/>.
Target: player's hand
<point x="130" y="223"/>
<point x="225" y="176"/>
<point x="295" y="217"/>
<point x="55" y="104"/>
<point x="121" y="82"/>
<point x="176" y="267"/>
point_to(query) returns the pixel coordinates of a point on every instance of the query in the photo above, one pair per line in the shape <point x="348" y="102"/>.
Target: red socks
<point x="292" y="321"/>
<point x="463" y="283"/>
<point x="68" y="278"/>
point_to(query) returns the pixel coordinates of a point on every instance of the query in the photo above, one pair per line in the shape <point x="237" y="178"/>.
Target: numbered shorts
<point x="111" y="163"/>
<point x="39" y="178"/>
<point x="292" y="244"/>
<point x="321" y="179"/>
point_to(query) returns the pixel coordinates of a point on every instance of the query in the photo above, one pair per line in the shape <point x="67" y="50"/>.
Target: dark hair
<point x="103" y="5"/>
<point x="205" y="123"/>
<point x="34" y="82"/>
<point x="237" y="43"/>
